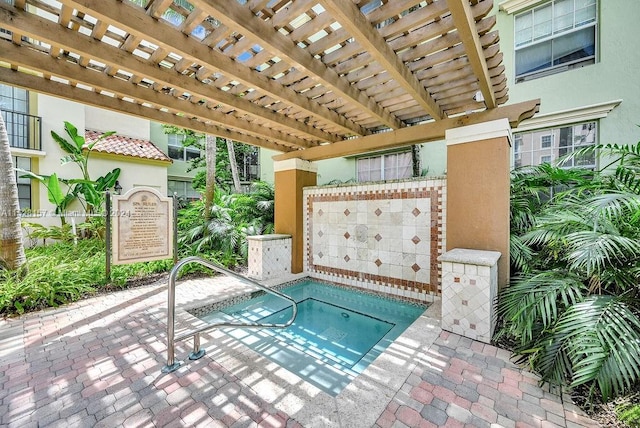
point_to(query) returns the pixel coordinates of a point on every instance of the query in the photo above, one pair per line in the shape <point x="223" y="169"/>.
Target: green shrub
<point x="572" y="308"/>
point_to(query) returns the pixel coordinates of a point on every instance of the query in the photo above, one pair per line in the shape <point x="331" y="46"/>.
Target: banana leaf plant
<point x="79" y="152"/>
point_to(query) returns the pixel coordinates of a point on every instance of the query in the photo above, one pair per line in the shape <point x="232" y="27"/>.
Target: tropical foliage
<point x="572" y="308"/>
<point x="52" y="275"/>
<point x="90" y="193"/>
<point x="232" y="218"/>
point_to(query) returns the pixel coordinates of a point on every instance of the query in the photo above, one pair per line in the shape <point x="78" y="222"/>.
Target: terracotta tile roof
<point x="125" y="146"/>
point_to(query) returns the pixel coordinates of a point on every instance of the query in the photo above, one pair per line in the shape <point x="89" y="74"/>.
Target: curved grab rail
<point x="171" y="312"/>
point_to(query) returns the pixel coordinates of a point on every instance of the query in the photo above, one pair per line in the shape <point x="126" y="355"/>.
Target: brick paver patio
<point x="97" y="363"/>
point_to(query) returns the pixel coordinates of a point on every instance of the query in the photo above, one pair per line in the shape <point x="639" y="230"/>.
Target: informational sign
<point x="142" y="226"/>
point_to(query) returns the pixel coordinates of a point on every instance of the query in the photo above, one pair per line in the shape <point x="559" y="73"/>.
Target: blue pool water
<point x="336" y="335"/>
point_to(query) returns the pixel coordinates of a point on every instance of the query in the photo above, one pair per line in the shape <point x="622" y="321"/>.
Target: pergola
<point x="314" y="79"/>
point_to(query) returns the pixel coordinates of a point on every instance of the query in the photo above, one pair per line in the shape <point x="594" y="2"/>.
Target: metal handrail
<point x="172" y="365"/>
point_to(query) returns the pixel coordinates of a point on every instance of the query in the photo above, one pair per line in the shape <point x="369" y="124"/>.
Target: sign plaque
<point x="142" y="226"/>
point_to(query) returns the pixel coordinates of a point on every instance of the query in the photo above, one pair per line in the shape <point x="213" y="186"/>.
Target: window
<point x="183" y="189"/>
<point x="248" y="162"/>
<point x="392" y="166"/>
<point x="561" y="142"/>
<point x="24" y="184"/>
<point x="14" y="99"/>
<point x="555" y="36"/>
<point x="545" y="141"/>
<point x="179" y="152"/>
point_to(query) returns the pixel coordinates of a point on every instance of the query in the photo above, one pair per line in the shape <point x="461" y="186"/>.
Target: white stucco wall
<point x="105" y="120"/>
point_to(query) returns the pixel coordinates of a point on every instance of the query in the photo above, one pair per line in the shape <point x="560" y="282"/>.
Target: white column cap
<point x="480" y="131"/>
<point x="295" y="163"/>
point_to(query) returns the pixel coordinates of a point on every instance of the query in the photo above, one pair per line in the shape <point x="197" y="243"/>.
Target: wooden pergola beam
<point x="465" y="25"/>
<point x="234" y="15"/>
<point x="61" y="90"/>
<point x="360" y="28"/>
<point x="135" y="22"/>
<point x="72" y="41"/>
<point x="37" y="61"/>
<point x="429" y="132"/>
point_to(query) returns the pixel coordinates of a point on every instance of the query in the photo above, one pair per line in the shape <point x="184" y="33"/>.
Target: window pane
<point x="192" y="154"/>
<point x="370" y="169"/>
<point x="533" y="58"/>
<point x="554" y="144"/>
<point x="585" y="12"/>
<point x="405" y="165"/>
<point x="390" y="167"/>
<point x="542" y="21"/>
<point x="176" y="152"/>
<point x="563" y="15"/>
<point x="24" y="184"/>
<point x="524" y="24"/>
<point x="574" y="46"/>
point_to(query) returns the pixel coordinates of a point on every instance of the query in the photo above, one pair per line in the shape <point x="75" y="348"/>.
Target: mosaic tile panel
<point x="384" y="237"/>
<point x="269" y="256"/>
<point x="469" y="288"/>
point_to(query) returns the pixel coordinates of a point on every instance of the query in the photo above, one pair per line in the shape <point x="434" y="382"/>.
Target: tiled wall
<point x="384" y="237"/>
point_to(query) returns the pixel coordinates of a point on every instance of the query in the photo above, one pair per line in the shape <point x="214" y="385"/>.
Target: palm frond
<point x="592" y="252"/>
<point x="532" y="303"/>
<point x="604" y="343"/>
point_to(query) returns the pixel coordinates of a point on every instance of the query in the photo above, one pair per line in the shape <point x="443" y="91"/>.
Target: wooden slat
<point x="114" y="57"/>
<point x="61" y="90"/>
<point x="359" y="27"/>
<point x="465" y="24"/>
<point x="158" y="8"/>
<point x="234" y="15"/>
<point x="135" y="22"/>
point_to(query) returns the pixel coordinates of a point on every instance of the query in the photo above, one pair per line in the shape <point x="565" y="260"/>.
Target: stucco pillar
<point x="478" y="187"/>
<point x="291" y="176"/>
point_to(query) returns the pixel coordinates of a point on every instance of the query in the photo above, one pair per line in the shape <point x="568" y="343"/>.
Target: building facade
<point x="31" y="117"/>
<point x="572" y="54"/>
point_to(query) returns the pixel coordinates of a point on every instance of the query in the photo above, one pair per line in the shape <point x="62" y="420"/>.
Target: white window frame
<point x="541" y="153"/>
<point x="546" y="144"/>
<point x="384" y="157"/>
<point x="518" y="7"/>
<point x="175" y="141"/>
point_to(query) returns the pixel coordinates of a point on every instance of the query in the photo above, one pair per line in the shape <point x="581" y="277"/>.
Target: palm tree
<point x="11" y="247"/>
<point x="211" y="149"/>
<point x="572" y="309"/>
<point x="233" y="163"/>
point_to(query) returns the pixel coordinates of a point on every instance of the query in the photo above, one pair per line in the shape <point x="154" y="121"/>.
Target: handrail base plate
<point x="197" y="355"/>
<point x="170" y="368"/>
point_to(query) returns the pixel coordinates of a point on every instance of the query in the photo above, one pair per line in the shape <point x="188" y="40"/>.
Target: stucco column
<point x="291" y="176"/>
<point x="478" y="187"/>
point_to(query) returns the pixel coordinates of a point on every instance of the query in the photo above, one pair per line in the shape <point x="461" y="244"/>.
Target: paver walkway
<point x="97" y="363"/>
<point x="468" y="383"/>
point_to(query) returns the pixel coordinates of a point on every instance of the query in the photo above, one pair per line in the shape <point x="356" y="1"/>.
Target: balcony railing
<point x="25" y="131"/>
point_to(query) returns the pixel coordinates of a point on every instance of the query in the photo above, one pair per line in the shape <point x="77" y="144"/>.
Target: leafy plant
<point x="629" y="410"/>
<point x="572" y="307"/>
<point x="53" y="276"/>
<point x="79" y="153"/>
<point x="233" y="217"/>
